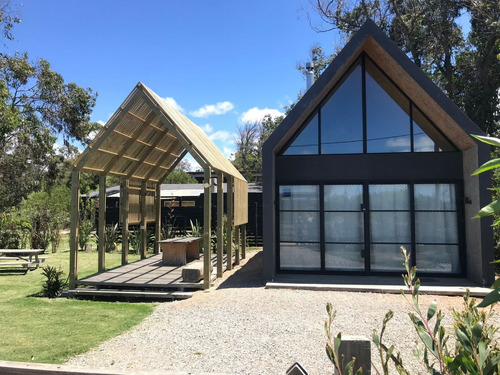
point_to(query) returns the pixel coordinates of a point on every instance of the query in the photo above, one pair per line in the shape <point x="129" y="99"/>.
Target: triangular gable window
<point x="367" y="114"/>
<point x="306" y="142"/>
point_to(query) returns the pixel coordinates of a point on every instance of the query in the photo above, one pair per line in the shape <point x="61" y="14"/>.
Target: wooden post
<point x="243" y="241"/>
<point x="157" y="217"/>
<point x="75" y="227"/>
<point x="207" y="230"/>
<point x="230" y="215"/>
<point x="237" y="245"/>
<point x="220" y="224"/>
<point x="144" y="242"/>
<point x="101" y="253"/>
<point x="124" y="200"/>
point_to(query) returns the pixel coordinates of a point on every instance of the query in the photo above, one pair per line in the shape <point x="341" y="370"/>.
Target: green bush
<point x="55" y="281"/>
<point x="12" y="231"/>
<point x="43" y="215"/>
<point x="112" y="237"/>
<point x="86" y="227"/>
<point x="475" y="351"/>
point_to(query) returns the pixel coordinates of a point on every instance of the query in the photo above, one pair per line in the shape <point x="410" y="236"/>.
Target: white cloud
<point x="213" y="109"/>
<point x="256" y="115"/>
<point x="207" y="128"/>
<point x="171" y="101"/>
<point x="423" y="143"/>
<point x="222" y="135"/>
<point x="102" y="123"/>
<point x="398" y="144"/>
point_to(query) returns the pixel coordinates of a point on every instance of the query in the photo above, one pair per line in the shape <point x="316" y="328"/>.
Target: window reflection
<point x="307" y="141"/>
<point x="393" y="123"/>
<point x="342" y="117"/>
<point x="387" y="114"/>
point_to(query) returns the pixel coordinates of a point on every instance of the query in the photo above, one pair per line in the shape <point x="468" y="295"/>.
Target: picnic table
<point x="177" y="251"/>
<point x="26" y="258"/>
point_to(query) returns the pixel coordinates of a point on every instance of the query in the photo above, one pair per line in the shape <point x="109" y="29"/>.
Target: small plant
<point x="475" y="351"/>
<point x="196" y="228"/>
<point x="84" y="233"/>
<point x="55" y="281"/>
<point x="135" y="240"/>
<point x="112" y="237"/>
<point x="333" y="344"/>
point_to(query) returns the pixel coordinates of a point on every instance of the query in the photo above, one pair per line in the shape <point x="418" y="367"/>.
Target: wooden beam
<point x="144" y="237"/>
<point x="220" y="224"/>
<point x="102" y="225"/>
<point x="158" y="139"/>
<point x="243" y="241"/>
<point x="127" y="144"/>
<point x="94" y="146"/>
<point x="74" y="228"/>
<point x="207" y="230"/>
<point x="124" y="212"/>
<point x="171" y="127"/>
<point x="160" y="161"/>
<point x="229" y="227"/>
<point x="237" y="244"/>
<point x="172" y="167"/>
<point x="157" y="218"/>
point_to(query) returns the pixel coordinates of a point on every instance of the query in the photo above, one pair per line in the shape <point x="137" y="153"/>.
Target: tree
<point x="7" y="19"/>
<point x="249" y="142"/>
<point x="179" y="177"/>
<point x="428" y="31"/>
<point x="36" y="106"/>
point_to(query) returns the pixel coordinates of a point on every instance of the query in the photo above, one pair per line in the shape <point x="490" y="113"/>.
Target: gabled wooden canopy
<point x="141" y="144"/>
<point x="146" y="138"/>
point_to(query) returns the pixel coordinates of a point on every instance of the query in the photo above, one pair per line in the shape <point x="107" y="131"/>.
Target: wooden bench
<point x="193" y="272"/>
<point x="177" y="251"/>
<point x="21" y="257"/>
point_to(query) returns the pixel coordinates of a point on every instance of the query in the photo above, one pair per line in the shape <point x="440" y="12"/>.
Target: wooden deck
<point x="146" y="274"/>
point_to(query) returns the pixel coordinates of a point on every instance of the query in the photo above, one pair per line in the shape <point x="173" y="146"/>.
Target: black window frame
<point x="460" y="217"/>
<point x="317" y="110"/>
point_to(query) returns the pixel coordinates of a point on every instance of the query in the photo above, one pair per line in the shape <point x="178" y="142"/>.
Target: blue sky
<point x="220" y="62"/>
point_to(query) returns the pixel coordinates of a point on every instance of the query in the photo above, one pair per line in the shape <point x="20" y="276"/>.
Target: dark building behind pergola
<point x="141" y="144"/>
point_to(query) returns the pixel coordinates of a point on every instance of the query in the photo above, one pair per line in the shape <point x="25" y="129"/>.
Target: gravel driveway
<point x="241" y="328"/>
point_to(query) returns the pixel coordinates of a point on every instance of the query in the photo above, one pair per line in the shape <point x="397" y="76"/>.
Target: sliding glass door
<point x="344" y="228"/>
<point x="361" y="227"/>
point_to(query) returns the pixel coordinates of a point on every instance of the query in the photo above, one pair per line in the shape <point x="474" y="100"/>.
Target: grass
<point x="52" y="330"/>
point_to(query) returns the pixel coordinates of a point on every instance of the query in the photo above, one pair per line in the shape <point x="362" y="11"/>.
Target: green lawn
<point x="43" y="330"/>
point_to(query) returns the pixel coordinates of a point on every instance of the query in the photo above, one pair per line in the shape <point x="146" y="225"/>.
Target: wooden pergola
<point x="141" y="144"/>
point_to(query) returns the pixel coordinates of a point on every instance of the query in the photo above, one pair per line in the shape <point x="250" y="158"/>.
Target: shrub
<point x="12" y="231"/>
<point x="54" y="283"/>
<point x="112" y="237"/>
<point x="475" y="351"/>
<point x="84" y="233"/>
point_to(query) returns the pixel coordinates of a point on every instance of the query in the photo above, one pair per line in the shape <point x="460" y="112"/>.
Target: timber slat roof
<point x="146" y="138"/>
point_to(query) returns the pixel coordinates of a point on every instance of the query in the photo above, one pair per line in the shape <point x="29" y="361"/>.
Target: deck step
<point x="127" y="294"/>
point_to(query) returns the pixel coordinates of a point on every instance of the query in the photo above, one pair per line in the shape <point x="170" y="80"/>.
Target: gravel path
<point x="242" y="328"/>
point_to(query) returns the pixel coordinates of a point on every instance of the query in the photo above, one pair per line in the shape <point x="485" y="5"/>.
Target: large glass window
<point x="387" y="114"/>
<point x="344" y="227"/>
<point x="299" y="227"/>
<point x="342" y="117"/>
<point x="306" y="142"/>
<point x="436" y="232"/>
<point x="366" y="225"/>
<point x="390" y="225"/>
<point x="367" y="113"/>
